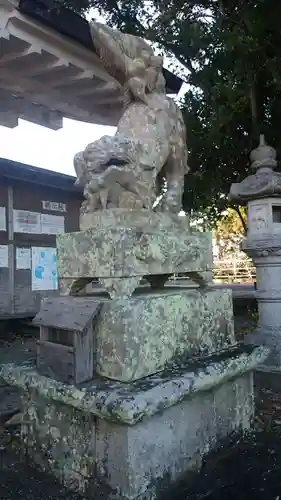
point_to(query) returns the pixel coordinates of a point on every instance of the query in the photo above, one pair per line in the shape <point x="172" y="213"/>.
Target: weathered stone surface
<point x="261" y="185"/>
<point x="122" y="171"/>
<point x="270" y="337"/>
<point x="137" y="336"/>
<point x="63" y="439"/>
<point x="104" y="460"/>
<point x="131" y="403"/>
<point x="120" y="287"/>
<point x="171" y="421"/>
<point x="265" y="183"/>
<point x="113" y="252"/>
<point x="176" y="441"/>
<point x="137" y="219"/>
<point x="121" y="246"/>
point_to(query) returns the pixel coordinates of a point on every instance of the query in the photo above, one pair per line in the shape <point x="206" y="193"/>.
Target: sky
<point x="54" y="150"/>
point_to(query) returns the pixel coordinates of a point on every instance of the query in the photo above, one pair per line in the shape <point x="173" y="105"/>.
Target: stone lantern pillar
<point x="262" y="193"/>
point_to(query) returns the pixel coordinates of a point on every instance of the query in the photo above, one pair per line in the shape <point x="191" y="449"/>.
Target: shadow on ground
<point x="247" y="470"/>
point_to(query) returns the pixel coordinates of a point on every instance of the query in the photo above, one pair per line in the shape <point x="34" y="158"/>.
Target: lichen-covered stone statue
<point x="150" y="142"/>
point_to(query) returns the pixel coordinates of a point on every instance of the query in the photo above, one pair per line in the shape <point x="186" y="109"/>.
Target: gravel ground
<point x="19" y="481"/>
<point x="13" y="348"/>
<point x="248" y="470"/>
<point x="23" y="483"/>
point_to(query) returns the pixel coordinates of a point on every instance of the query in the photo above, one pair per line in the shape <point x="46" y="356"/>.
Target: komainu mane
<point x="150" y="141"/>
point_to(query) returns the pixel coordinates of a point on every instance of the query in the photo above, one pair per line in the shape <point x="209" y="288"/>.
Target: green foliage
<point x="231" y="223"/>
<point x="229" y="55"/>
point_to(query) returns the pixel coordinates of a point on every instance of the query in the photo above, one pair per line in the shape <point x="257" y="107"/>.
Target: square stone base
<point x="126" y="441"/>
<point x="104" y="460"/>
<point x="138" y="336"/>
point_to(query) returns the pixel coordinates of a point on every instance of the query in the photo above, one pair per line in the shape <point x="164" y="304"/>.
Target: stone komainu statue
<point x="150" y="142"/>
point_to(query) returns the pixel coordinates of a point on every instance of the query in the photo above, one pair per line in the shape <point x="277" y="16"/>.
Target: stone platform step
<point x="130" y="403"/>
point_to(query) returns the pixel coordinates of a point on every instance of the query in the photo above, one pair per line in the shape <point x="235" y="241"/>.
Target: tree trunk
<point x="244" y="224"/>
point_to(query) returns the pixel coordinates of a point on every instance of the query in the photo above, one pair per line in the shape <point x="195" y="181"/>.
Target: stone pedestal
<point x="124" y="246"/>
<point x="138" y="336"/>
<point x="266" y="255"/>
<point x="169" y="380"/>
<point x="129" y="441"/>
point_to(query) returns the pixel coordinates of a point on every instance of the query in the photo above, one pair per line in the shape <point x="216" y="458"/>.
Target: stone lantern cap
<point x="264" y="183"/>
<point x="263" y="156"/>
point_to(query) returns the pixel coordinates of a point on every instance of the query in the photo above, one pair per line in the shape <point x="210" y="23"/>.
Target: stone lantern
<point x="262" y="194"/>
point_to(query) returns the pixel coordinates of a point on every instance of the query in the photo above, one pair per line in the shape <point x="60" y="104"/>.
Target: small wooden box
<point x="65" y="351"/>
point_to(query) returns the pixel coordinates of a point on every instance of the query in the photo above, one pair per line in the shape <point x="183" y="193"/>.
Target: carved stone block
<point x="130" y="247"/>
<point x="137" y="337"/>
